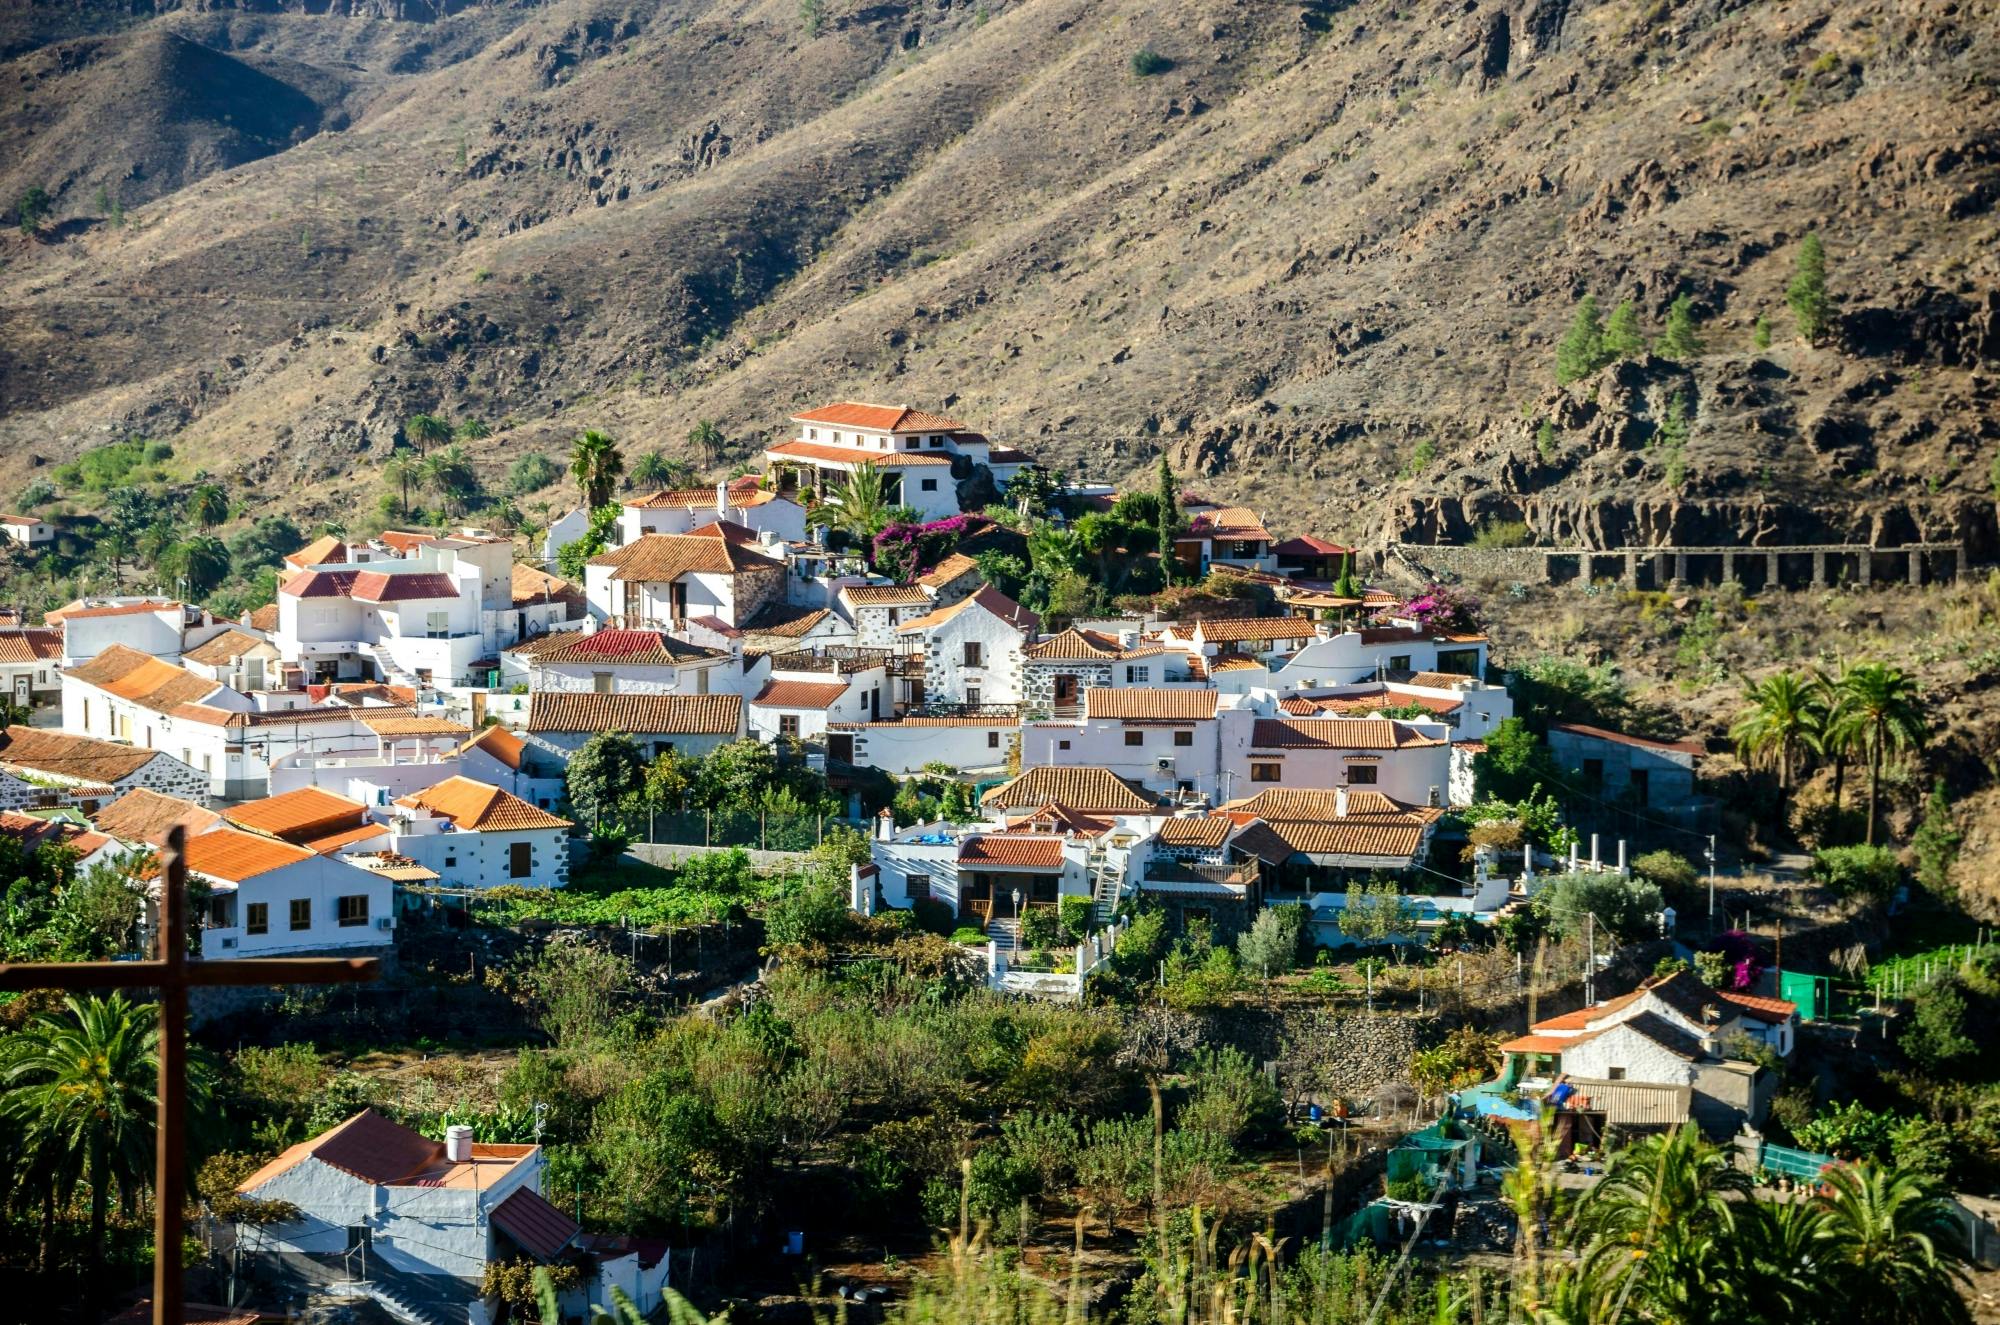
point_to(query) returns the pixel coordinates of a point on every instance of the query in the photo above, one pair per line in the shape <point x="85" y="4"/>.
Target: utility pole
<point x="1590" y="959"/>
<point x="1711" y="885"/>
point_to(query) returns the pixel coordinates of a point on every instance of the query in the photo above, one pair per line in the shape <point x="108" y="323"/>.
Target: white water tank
<point x="458" y="1143"/>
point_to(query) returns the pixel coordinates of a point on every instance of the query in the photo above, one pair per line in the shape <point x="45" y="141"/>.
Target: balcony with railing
<point x="836" y="660"/>
<point x="997" y="712"/>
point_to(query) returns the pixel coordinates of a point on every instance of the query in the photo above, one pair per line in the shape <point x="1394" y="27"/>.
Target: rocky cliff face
<point x="1320" y="261"/>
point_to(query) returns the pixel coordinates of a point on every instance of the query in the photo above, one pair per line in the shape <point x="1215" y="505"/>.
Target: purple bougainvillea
<point x="1441" y="607"/>
<point x="905" y="551"/>
<point x="1745" y="958"/>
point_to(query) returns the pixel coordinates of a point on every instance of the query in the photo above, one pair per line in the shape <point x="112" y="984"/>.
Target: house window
<point x="912" y="443"/>
<point x="1135" y="738"/>
<point x="1399" y="662"/>
<point x="1361" y="775"/>
<point x="520" y="860"/>
<point x="788" y="725"/>
<point x="1614" y="1074"/>
<point x="257" y="918"/>
<point x="353" y="910"/>
<point x="302" y="913"/>
<point x="1266" y="772"/>
<point x="1593" y="772"/>
<point x="451" y="862"/>
<point x="1641" y="782"/>
<point x="930" y="485"/>
<point x="1137" y="675"/>
<point x="1062" y="745"/>
<point x="974" y="651"/>
<point x="437" y="624"/>
<point x="600" y="683"/>
<point x="972" y="694"/>
<point x="993" y="740"/>
<point x="937" y="441"/>
<point x="1184" y="739"/>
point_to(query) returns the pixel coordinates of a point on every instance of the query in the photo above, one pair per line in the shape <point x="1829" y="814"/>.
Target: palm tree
<point x="651" y="471"/>
<point x="401" y="471"/>
<point x="1884" y="713"/>
<point x="81" y="1086"/>
<point x="862" y="503"/>
<point x="706" y="439"/>
<point x="199" y="563"/>
<point x="1774" y="1263"/>
<point x="1830" y="690"/>
<point x="474" y="429"/>
<point x="680" y="474"/>
<point x="425" y="431"/>
<point x="207" y="506"/>
<point x="1781" y="723"/>
<point x="595" y="464"/>
<point x="449" y="471"/>
<point x="1894" y="1245"/>
<point x="1664" y="1212"/>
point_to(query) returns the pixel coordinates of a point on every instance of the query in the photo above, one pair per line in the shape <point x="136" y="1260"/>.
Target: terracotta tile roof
<point x="1541" y="1044"/>
<point x="1324" y="805"/>
<point x="1236" y="665"/>
<point x="1073" y="645"/>
<point x="305" y="812"/>
<point x="325" y="550"/>
<point x="1230" y="522"/>
<point x="1580" y="1019"/>
<point x="1061" y="819"/>
<point x="673" y="498"/>
<point x="31" y="832"/>
<point x="367" y="1145"/>
<point x="879" y="418"/>
<point x="636" y="648"/>
<point x="727" y="530"/>
<point x="1149" y="703"/>
<point x="233" y="856"/>
<point x="64" y="754"/>
<point x="31" y="644"/>
<point x="397" y="724"/>
<point x="85" y="610"/>
<point x="1374" y="701"/>
<point x="946" y="571"/>
<point x="1347" y="837"/>
<point x="264" y="618"/>
<point x="147" y="681"/>
<point x="374" y="586"/>
<point x="645" y="715"/>
<point x="1235" y="630"/>
<point x="145" y="815"/>
<point x="327" y="844"/>
<point x="319" y="584"/>
<point x="885" y="595"/>
<point x="1620" y="738"/>
<point x="1759" y="1006"/>
<point x="404" y="540"/>
<point x="853" y="455"/>
<point x="1429" y="680"/>
<point x="480" y="807"/>
<point x="531" y="585"/>
<point x="989" y="598"/>
<point x="785" y="620"/>
<point x="536" y="1227"/>
<point x="1307" y="546"/>
<point x="225" y="648"/>
<point x="1076" y="787"/>
<point x="1203" y="832"/>
<point x="1035" y="851"/>
<point x="500" y="743"/>
<point x="1336" y="734"/>
<point x="662" y="557"/>
<point x="1257" y="839"/>
<point x="800" y="694"/>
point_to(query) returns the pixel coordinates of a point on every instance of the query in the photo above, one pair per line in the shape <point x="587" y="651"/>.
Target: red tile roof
<point x="30" y="645"/>
<point x="644" y="715"/>
<point x="989" y="598"/>
<point x="1759" y="1006"/>
<point x="500" y="743"/>
<point x="84" y="610"/>
<point x="145" y="815"/>
<point x="643" y="648"/>
<point x="305" y="812"/>
<point x="1307" y="546"/>
<point x="1348" y="837"/>
<point x="536" y="1227"/>
<point x="1235" y="630"/>
<point x="662" y="557"/>
<point x="1150" y="703"/>
<point x="854" y="455"/>
<point x="1202" y="832"/>
<point x="942" y="574"/>
<point x="800" y="694"/>
<point x="879" y="418"/>
<point x="885" y="595"/>
<point x="233" y="855"/>
<point x="1035" y="851"/>
<point x="1231" y="522"/>
<point x="1075" y="787"/>
<point x="373" y="586"/>
<point x="322" y="551"/>
<point x="319" y="584"/>
<point x="1620" y="738"/>
<point x="84" y="758"/>
<point x="480" y="807"/>
<point x="1336" y="734"/>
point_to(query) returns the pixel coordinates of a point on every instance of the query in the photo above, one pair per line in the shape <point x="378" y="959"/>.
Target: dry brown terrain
<point x="1325" y="234"/>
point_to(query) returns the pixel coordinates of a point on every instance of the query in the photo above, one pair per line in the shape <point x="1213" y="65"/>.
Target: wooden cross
<point x="173" y="975"/>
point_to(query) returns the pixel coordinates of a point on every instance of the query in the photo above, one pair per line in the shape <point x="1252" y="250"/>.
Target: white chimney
<point x="458" y="1143"/>
<point x="885" y="825"/>
<point x="721" y="497"/>
<point x="1340" y="802"/>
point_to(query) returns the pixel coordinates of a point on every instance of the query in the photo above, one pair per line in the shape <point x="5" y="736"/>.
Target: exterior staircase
<point x="1003" y="931"/>
<point x="392" y="672"/>
<point x="1106" y="880"/>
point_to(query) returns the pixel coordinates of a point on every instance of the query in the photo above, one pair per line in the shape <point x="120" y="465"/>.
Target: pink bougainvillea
<point x="1445" y="609"/>
<point x="905" y="551"/>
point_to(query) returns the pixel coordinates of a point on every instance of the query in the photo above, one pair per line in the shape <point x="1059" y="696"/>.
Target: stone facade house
<point x="973" y="648"/>
<point x="659" y="581"/>
<point x="560" y="722"/>
<point x="43" y="767"/>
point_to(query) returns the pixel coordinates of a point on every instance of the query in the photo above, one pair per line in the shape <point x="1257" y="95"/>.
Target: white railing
<point x="1091" y="956"/>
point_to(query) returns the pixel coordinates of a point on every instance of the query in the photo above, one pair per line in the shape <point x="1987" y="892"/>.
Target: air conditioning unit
<point x="226" y="944"/>
<point x="1164" y="763"/>
<point x="385" y="922"/>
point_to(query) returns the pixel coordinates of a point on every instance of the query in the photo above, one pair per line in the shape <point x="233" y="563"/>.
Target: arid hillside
<point x="1318" y="254"/>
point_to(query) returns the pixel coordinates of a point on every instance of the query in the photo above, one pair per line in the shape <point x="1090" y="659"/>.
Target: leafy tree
<point x="1228" y="1098"/>
<point x="1628" y="908"/>
<point x="1622" y="337"/>
<point x="79" y="1086"/>
<point x="1004" y="571"/>
<point x="571" y="556"/>
<point x="1515" y="763"/>
<point x="1169" y="517"/>
<point x="707" y="441"/>
<point x="1465" y="1057"/>
<point x="31" y="207"/>
<point x="1811" y="307"/>
<point x="1936" y="843"/>
<point x="1939" y="1037"/>
<point x="531" y="473"/>
<point x="595" y="464"/>
<point x="603" y="774"/>
<point x="1760" y="333"/>
<point x="201" y="563"/>
<point x="1032" y="490"/>
<point x="207" y="506"/>
<point x="1884" y="714"/>
<point x="424" y="431"/>
<point x="1271" y="945"/>
<point x="1581" y="351"/>
<point x="812" y="908"/>
<point x="651" y="471"/>
<point x="1672" y="873"/>
<point x="1680" y="340"/>
<point x="1781" y="724"/>
<point x="1377" y="912"/>
<point x="450" y="473"/>
<point x="575" y="989"/>
<point x="265" y="543"/>
<point x="1868" y="872"/>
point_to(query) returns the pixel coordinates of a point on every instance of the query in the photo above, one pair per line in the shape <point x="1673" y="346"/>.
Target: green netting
<point x="1793" y="1163"/>
<point x="1371" y="1223"/>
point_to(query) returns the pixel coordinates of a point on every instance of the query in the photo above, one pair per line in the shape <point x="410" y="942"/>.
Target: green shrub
<point x="1502" y="534"/>
<point x="1421" y="458"/>
<point x="1147" y="62"/>
<point x="1041" y="927"/>
<point x="971" y="934"/>
<point x="1858" y="871"/>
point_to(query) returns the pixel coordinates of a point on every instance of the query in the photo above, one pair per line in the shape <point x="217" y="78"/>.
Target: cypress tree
<point x="1680" y="340"/>
<point x="1807" y="292"/>
<point x="1169" y="517"/>
<point x="1581" y="351"/>
<point x="1622" y="339"/>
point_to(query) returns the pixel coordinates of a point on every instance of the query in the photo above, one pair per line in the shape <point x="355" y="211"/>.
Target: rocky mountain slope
<point x="1320" y="259"/>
